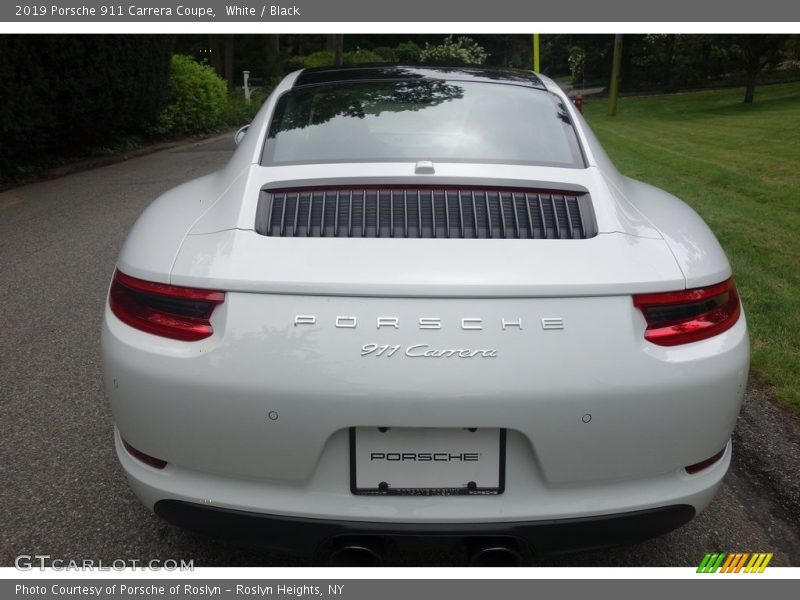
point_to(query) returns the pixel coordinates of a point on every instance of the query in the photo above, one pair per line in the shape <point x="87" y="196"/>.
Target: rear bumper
<point x="305" y="537"/>
<point x="263" y="399"/>
<point x="256" y="417"/>
<point x="326" y="496"/>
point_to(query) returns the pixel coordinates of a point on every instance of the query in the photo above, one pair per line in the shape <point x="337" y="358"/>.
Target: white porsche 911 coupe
<point x="423" y="302"/>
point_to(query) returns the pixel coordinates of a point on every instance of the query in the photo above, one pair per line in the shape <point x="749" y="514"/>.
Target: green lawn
<point x="739" y="167"/>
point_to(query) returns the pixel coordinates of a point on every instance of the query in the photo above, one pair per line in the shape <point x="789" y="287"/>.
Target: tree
<point x="273" y="47"/>
<point x="758" y="51"/>
<point x="461" y="51"/>
<point x="65" y="94"/>
<point x="590" y="57"/>
<point x="335" y="43"/>
<point x="215" y="50"/>
<point x="615" y="69"/>
<point x="228" y="58"/>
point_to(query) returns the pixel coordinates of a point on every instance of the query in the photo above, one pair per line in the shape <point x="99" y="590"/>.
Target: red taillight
<point x="154" y="462"/>
<point x="704" y="464"/>
<point x="171" y="311"/>
<point x="689" y="315"/>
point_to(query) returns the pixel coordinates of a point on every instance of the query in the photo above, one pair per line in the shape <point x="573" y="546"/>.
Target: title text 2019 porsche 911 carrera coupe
<point x="423" y="302"/>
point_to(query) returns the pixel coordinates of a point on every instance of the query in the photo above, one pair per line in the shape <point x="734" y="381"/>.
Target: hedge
<point x="64" y="94"/>
<point x="196" y="99"/>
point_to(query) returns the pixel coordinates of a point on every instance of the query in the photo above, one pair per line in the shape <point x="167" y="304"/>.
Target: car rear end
<point x="371" y="349"/>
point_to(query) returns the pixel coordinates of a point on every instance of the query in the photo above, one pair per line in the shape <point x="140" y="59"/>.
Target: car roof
<point x="383" y="72"/>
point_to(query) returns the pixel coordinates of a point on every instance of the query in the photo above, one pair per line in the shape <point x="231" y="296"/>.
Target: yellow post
<point x="536" y="52"/>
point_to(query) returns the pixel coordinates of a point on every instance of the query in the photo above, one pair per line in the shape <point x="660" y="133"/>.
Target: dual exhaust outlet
<point x="368" y="551"/>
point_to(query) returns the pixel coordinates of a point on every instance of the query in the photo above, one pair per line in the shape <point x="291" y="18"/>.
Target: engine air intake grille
<point x="461" y="213"/>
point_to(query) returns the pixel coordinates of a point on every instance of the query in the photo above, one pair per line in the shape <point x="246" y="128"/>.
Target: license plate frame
<point x="469" y="488"/>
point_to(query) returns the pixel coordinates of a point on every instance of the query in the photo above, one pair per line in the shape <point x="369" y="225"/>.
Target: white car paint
<point x="599" y="420"/>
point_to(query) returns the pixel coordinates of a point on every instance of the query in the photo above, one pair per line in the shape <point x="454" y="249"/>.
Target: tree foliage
<point x="64" y="93"/>
<point x="667" y="62"/>
<point x="408" y="52"/>
<point x="758" y="51"/>
<point x="461" y="51"/>
<point x="196" y="99"/>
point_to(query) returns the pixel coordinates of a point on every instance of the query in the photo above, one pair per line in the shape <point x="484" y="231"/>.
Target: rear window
<point x="421" y="120"/>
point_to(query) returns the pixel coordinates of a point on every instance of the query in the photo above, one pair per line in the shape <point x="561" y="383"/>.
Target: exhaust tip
<point x="495" y="553"/>
<point x="356" y="552"/>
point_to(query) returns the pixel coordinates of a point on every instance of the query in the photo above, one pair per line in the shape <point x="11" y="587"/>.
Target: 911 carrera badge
<point x="426" y="323"/>
<point x="425" y="351"/>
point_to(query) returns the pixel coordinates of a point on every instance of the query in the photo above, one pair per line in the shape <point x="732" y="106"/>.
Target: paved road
<point x="61" y="490"/>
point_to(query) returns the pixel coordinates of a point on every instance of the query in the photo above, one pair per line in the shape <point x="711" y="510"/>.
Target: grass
<point x="739" y="167"/>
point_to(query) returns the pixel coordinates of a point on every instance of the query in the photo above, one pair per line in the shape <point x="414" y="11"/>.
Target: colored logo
<point x="735" y="562"/>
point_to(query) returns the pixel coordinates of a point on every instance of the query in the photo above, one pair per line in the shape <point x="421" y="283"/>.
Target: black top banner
<point x="332" y="11"/>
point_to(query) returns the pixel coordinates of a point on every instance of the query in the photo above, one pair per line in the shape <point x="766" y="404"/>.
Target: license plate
<point x="427" y="461"/>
